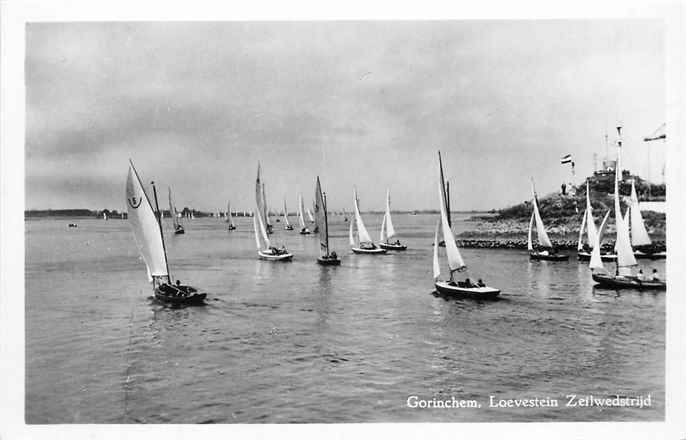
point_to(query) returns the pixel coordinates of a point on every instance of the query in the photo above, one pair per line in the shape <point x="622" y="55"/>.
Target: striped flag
<point x="567" y="158"/>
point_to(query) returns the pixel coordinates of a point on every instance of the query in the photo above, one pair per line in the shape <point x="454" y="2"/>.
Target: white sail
<point x="390" y="230"/>
<point x="603" y="224"/>
<point x="362" y="234"/>
<point x="437" y="266"/>
<point x="455" y="260"/>
<point x="382" y="236"/>
<point x="579" y="243"/>
<point x="257" y="233"/>
<point x="285" y="213"/>
<point x="309" y="215"/>
<point x="596" y="262"/>
<point x="350" y="235"/>
<point x="263" y="231"/>
<point x="639" y="234"/>
<point x="301" y="208"/>
<point x="591" y="231"/>
<point x="529" y="242"/>
<point x="625" y="255"/>
<point x="321" y="218"/>
<point x="229" y="217"/>
<point x="543" y="238"/>
<point x="146" y="228"/>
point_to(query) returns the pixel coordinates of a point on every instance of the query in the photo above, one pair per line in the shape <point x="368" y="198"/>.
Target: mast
<point x="159" y="223"/>
<point x="326" y="222"/>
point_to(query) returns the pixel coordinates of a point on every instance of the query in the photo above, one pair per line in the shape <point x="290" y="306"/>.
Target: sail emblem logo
<point x="132" y="202"/>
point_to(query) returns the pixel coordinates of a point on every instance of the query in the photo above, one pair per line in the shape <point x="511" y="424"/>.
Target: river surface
<point x="296" y="342"/>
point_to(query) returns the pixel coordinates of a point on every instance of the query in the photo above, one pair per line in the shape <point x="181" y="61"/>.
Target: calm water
<point x="296" y="342"/>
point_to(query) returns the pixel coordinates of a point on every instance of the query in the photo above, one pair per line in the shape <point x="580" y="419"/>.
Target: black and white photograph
<point x="340" y="221"/>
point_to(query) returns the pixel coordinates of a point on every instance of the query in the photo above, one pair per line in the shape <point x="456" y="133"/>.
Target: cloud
<point x="366" y="103"/>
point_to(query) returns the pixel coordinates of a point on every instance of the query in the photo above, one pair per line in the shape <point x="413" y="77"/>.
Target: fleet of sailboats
<point x="545" y="249"/>
<point x="632" y="238"/>
<point x="364" y="244"/>
<point x="147" y="229"/>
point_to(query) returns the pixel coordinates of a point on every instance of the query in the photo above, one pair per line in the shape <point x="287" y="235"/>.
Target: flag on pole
<point x="567" y="158"/>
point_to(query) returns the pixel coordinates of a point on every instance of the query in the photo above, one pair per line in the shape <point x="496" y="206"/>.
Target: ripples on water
<point x="296" y="342"/>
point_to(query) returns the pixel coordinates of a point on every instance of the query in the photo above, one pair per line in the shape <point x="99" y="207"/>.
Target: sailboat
<point x="623" y="277"/>
<point x="104" y="216"/>
<point x="287" y="226"/>
<point x="640" y="240"/>
<point x="229" y="217"/>
<point x="387" y="229"/>
<point x="310" y="217"/>
<point x="301" y="219"/>
<point x="265" y="249"/>
<point x="147" y="229"/>
<point x="321" y="217"/>
<point x="446" y="196"/>
<point x="366" y="245"/>
<point x="262" y="201"/>
<point x="548" y="251"/>
<point x="455" y="262"/>
<point x="178" y="228"/>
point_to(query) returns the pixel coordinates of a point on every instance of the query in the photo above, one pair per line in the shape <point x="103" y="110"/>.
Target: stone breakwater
<point x="493" y="243"/>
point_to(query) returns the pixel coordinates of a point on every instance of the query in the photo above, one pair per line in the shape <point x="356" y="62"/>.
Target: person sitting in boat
<point x="655" y="277"/>
<point x="468" y="283"/>
<point x="480" y="283"/>
<point x="333" y="255"/>
<point x="641" y="276"/>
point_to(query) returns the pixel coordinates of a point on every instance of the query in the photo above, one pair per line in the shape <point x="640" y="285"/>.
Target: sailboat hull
<point x="288" y="228"/>
<point x="586" y="256"/>
<point x="393" y="247"/>
<point x="328" y="261"/>
<point x="447" y="288"/>
<point x="305" y="231"/>
<point x="268" y="256"/>
<point x="231" y="227"/>
<point x="374" y="251"/>
<point x="547" y="257"/>
<point x="650" y="256"/>
<point x="179" y="230"/>
<point x="181" y="295"/>
<point x="620" y="282"/>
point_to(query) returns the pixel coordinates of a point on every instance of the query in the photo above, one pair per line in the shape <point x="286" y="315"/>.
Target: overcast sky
<point x="196" y="105"/>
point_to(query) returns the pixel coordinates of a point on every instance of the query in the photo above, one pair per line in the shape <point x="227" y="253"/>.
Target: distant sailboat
<point x="104" y="216"/>
<point x="366" y="245"/>
<point x="624" y="276"/>
<point x="265" y="249"/>
<point x="548" y="251"/>
<point x="178" y="228"/>
<point x="229" y="217"/>
<point x="301" y="218"/>
<point x="326" y="258"/>
<point x="309" y="216"/>
<point x="387" y="229"/>
<point x="147" y="229"/>
<point x="455" y="262"/>
<point x="287" y="226"/>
